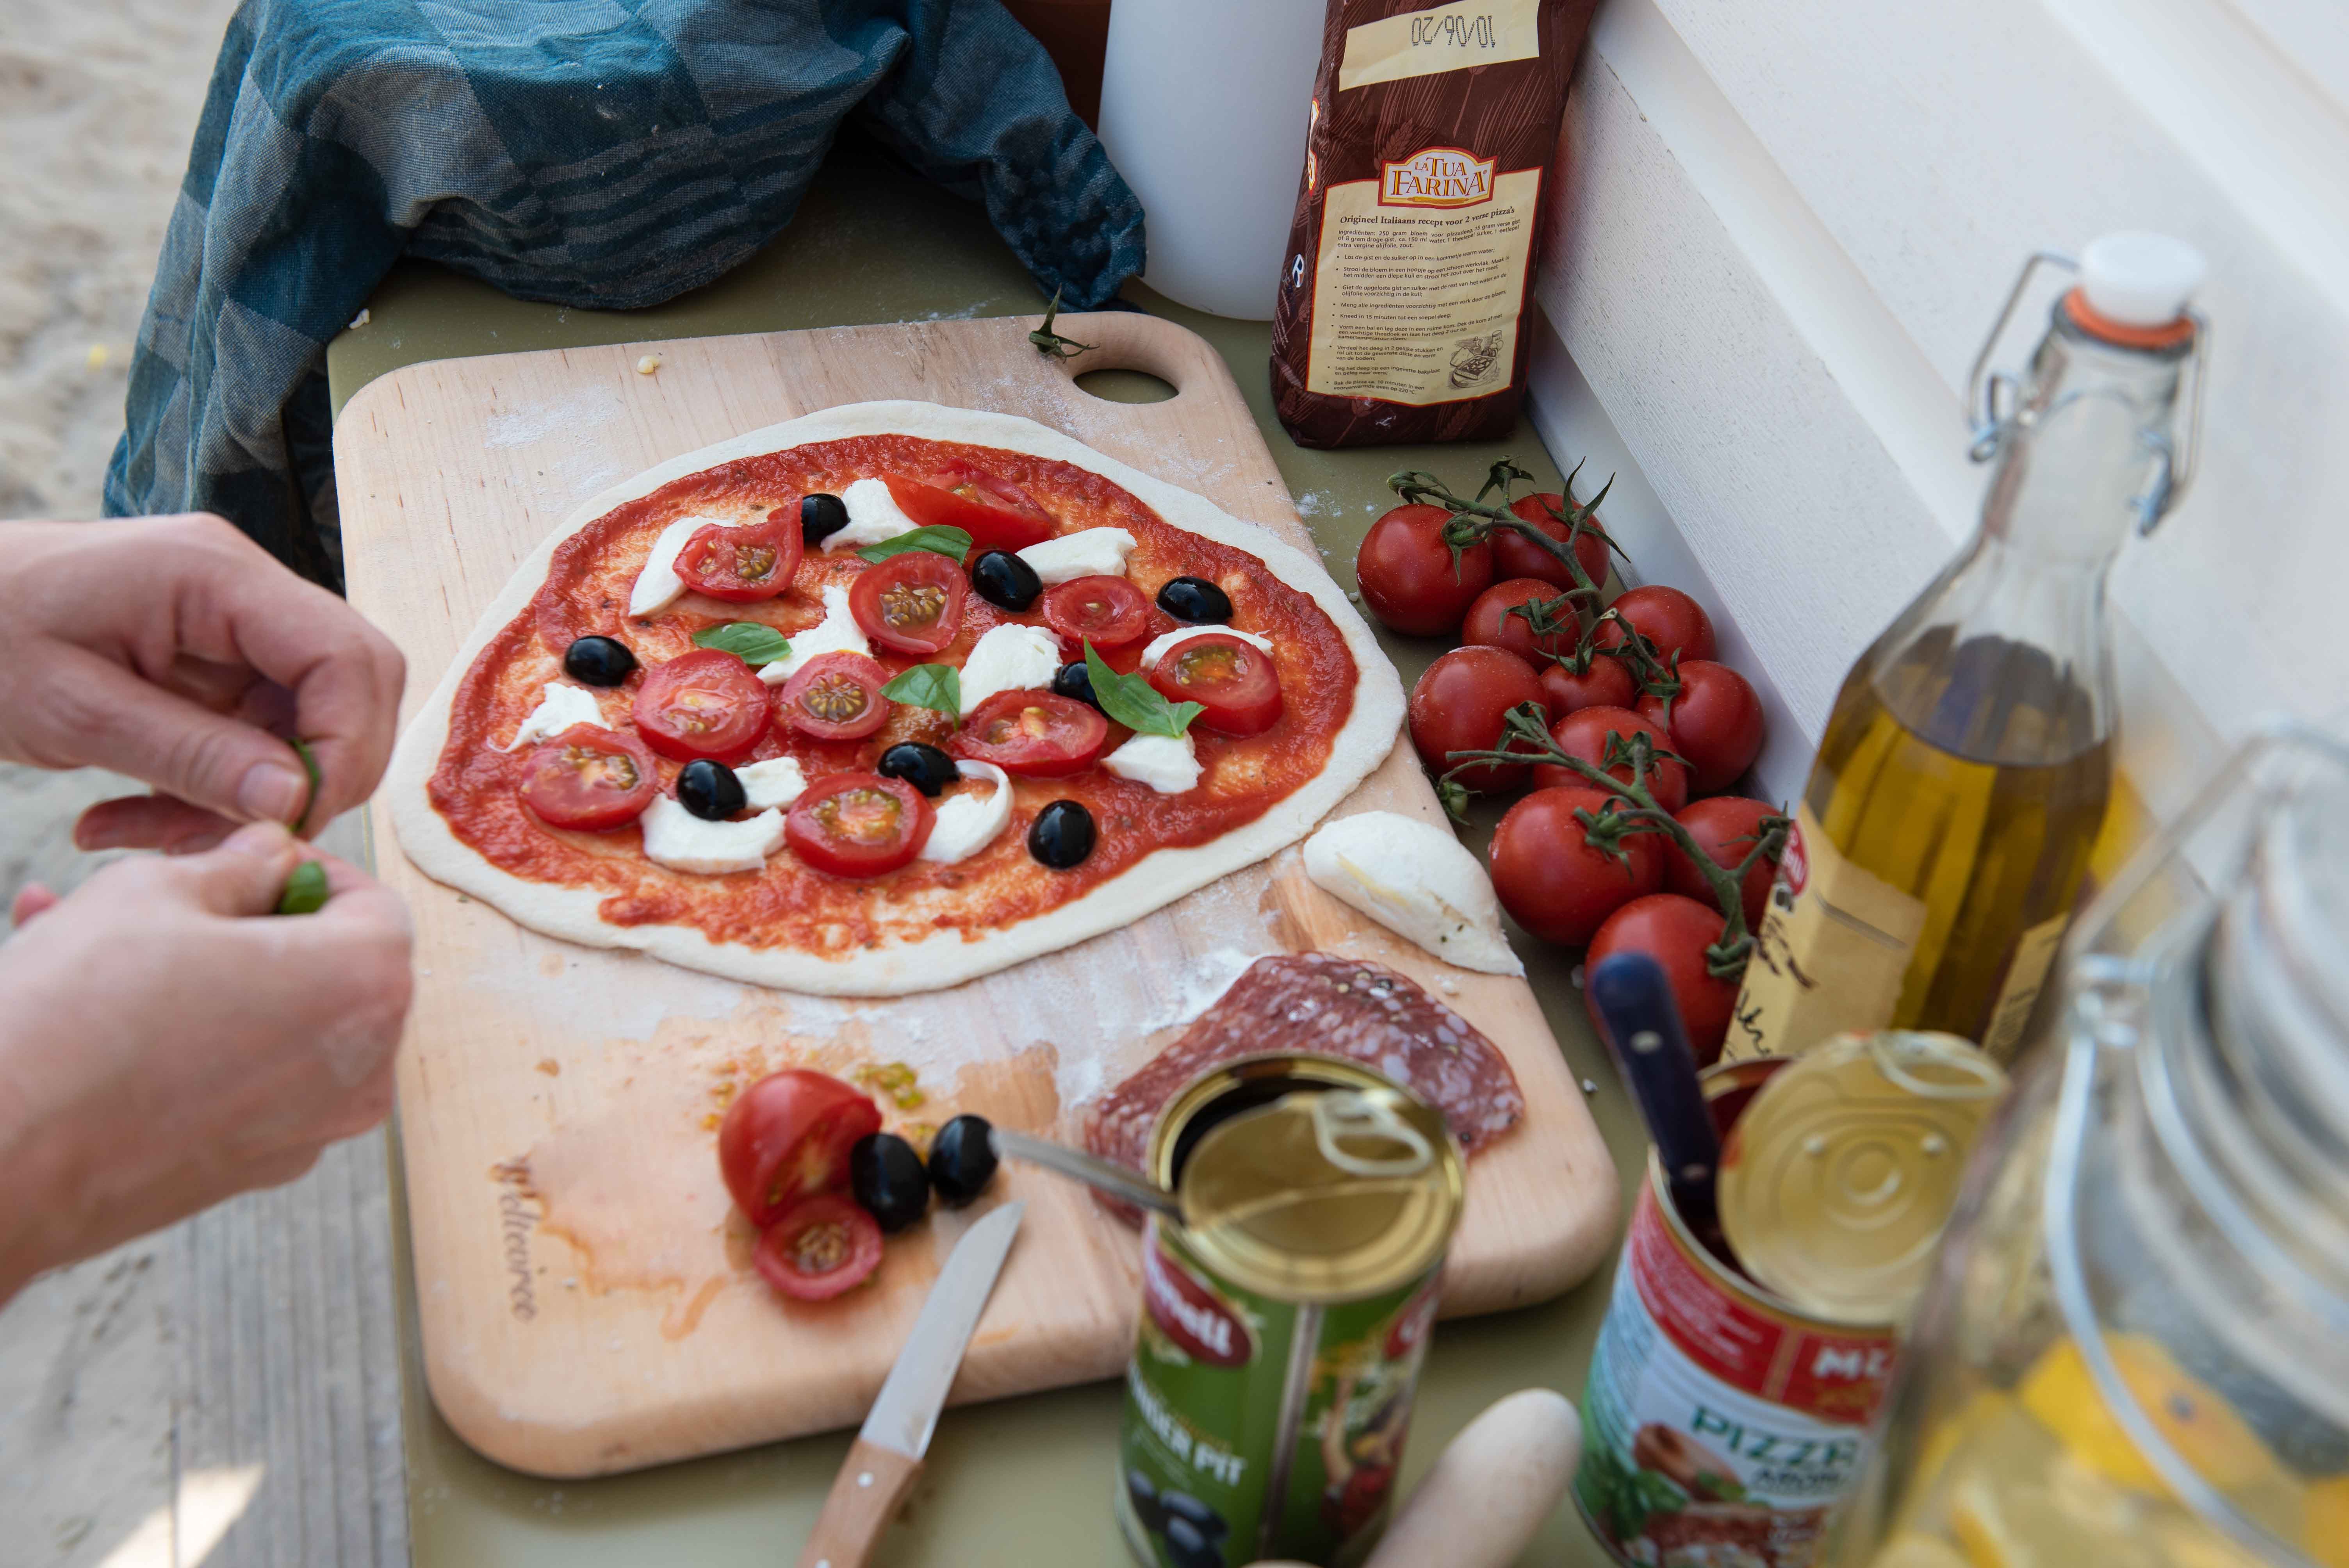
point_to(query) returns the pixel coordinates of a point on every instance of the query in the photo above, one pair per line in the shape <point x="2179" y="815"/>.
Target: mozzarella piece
<point x="1159" y="645"/>
<point x="1010" y="657"/>
<point x="872" y="516"/>
<point x="967" y="823"/>
<point x="676" y="837"/>
<point x="1167" y="763"/>
<point x="1088" y="553"/>
<point x="1419" y="881"/>
<point x="777" y="781"/>
<point x="559" y="707"/>
<point x="658" y="585"/>
<point x="837" y="633"/>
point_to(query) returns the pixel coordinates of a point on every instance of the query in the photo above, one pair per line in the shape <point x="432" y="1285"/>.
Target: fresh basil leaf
<point x="952" y="544"/>
<point x="753" y="642"/>
<point x="937" y="687"/>
<point x="1135" y="702"/>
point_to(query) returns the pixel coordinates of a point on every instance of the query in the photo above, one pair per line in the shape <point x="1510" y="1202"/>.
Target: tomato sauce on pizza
<point x="476" y="786"/>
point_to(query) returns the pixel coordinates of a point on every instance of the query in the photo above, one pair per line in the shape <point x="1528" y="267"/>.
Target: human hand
<point x="171" y="648"/>
<point x="166" y="1041"/>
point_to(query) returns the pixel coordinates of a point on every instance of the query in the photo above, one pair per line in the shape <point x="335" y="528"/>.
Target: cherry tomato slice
<point x="704" y="703"/>
<point x="819" y="1248"/>
<point x="1233" y="680"/>
<point x="995" y="512"/>
<point x="1107" y="612"/>
<point x="741" y="564"/>
<point x="912" y="603"/>
<point x="835" y="697"/>
<point x="858" y="824"/>
<point x="787" y="1137"/>
<point x="1033" y="733"/>
<point x="590" y="779"/>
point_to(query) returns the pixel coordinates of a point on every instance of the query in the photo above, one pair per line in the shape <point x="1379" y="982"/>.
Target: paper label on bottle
<point x="2034" y="954"/>
<point x="1445" y="38"/>
<point x="1834" y="947"/>
<point x="1420" y="280"/>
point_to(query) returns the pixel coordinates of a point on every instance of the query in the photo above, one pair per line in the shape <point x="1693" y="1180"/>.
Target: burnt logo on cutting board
<point x="518" y="1216"/>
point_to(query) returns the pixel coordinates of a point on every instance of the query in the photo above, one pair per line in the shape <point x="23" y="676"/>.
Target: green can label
<point x="1256" y="1427"/>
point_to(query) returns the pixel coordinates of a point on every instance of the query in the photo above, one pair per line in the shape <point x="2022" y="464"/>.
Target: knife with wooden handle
<point x="887" y="1454"/>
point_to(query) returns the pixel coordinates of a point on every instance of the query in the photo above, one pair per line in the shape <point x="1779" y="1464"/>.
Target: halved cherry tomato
<point x="1674" y="932"/>
<point x="1494" y="620"/>
<point x="1409" y="576"/>
<point x="740" y="564"/>
<point x="787" y="1137"/>
<point x="590" y="779"/>
<point x="1036" y="734"/>
<point x="995" y="512"/>
<point x="1585" y="733"/>
<point x="1667" y="618"/>
<point x="819" y="1248"/>
<point x="1552" y="881"/>
<point x="1606" y="683"/>
<point x="1107" y="612"/>
<point x="912" y="603"/>
<point x="858" y="824"/>
<point x="1515" y="555"/>
<point x="1460" y="705"/>
<point x="705" y="702"/>
<point x="835" y="697"/>
<point x="1233" y="680"/>
<point x="1725" y="826"/>
<point x="1716" y="723"/>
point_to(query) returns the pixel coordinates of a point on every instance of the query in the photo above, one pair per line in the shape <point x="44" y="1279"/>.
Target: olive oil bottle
<point x="1942" y="841"/>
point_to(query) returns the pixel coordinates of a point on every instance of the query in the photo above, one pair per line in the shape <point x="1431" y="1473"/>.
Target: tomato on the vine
<point x="1504" y="615"/>
<point x="1550" y="877"/>
<point x="787" y="1137"/>
<point x="1667" y="618"/>
<point x="1460" y="705"/>
<point x="1606" y="683"/>
<point x="819" y="1247"/>
<point x="1675" y="932"/>
<point x="995" y="512"/>
<point x="1727" y="827"/>
<point x="1515" y="555"/>
<point x="741" y="564"/>
<point x="589" y="779"/>
<point x="1585" y="734"/>
<point x="1715" y="722"/>
<point x="705" y="702"/>
<point x="1410" y="578"/>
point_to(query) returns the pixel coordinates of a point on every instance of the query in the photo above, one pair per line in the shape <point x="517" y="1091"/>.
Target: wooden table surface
<point x="873" y="244"/>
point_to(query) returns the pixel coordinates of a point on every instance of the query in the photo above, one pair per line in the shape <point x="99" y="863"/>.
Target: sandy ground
<point x="98" y="102"/>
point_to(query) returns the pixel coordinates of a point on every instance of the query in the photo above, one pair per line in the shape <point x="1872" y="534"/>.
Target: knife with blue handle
<point x="1634" y="1001"/>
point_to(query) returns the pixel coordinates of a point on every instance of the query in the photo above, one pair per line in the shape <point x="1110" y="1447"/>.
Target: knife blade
<point x="887" y="1454"/>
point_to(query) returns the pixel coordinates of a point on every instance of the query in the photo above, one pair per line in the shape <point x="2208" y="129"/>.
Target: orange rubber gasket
<point x="2085" y="318"/>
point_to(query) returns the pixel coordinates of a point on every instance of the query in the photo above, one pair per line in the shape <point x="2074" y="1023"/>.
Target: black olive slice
<point x="1004" y="580"/>
<point x="820" y="517"/>
<point x="1063" y="835"/>
<point x="709" y="789"/>
<point x="1195" y="600"/>
<point x="926" y="768"/>
<point x="598" y="661"/>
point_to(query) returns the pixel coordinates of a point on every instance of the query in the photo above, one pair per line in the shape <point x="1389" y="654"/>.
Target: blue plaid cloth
<point x="600" y="153"/>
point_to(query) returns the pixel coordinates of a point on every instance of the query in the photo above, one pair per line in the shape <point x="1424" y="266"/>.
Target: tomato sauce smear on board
<point x="788" y="904"/>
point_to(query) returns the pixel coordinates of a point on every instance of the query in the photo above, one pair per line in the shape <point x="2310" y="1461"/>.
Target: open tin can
<point x="1282" y="1329"/>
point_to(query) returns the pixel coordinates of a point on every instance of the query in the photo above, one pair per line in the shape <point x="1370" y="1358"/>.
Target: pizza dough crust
<point x="948" y="957"/>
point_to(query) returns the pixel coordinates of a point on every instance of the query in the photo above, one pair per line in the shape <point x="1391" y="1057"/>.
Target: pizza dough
<point x="946" y="958"/>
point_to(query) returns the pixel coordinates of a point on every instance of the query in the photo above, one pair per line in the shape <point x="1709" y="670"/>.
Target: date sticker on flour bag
<point x="1419" y="219"/>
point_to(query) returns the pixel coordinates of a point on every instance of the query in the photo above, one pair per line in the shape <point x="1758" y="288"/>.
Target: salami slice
<point x="1332" y="1006"/>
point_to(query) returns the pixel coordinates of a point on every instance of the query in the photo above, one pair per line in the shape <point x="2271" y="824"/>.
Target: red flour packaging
<point x="1401" y="313"/>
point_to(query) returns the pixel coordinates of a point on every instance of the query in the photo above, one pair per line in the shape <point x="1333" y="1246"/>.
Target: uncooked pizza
<point x="883" y="698"/>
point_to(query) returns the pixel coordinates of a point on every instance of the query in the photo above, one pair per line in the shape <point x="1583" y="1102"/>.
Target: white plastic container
<point x="1204" y="106"/>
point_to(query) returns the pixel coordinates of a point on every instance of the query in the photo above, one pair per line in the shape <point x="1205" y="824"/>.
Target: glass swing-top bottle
<point x="1942" y="840"/>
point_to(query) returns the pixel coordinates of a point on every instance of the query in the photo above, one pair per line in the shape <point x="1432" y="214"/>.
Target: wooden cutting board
<point x="587" y="1302"/>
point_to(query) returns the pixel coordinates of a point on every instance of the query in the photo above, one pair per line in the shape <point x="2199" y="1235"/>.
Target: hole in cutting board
<point x="1125" y="386"/>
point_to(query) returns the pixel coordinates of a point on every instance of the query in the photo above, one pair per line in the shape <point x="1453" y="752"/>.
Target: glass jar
<point x="2135" y="1351"/>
